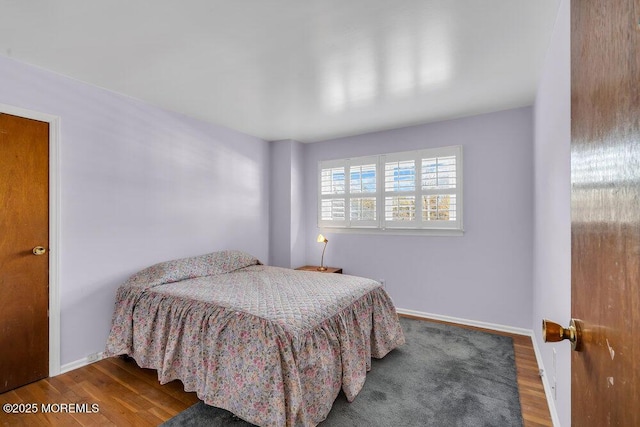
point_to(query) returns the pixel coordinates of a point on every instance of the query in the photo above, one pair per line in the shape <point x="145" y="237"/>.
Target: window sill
<point x="394" y="231"/>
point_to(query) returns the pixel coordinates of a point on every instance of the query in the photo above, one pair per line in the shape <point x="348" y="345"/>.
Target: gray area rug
<point x="443" y="376"/>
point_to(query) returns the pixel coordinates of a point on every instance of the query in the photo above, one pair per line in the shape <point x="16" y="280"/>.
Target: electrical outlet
<point x="383" y="282"/>
<point x="94" y="357"/>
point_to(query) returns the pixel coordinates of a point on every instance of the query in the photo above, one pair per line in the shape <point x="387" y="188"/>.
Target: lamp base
<point x="322" y="269"/>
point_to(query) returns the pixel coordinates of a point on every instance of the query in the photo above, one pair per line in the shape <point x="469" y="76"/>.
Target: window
<point x="413" y="190"/>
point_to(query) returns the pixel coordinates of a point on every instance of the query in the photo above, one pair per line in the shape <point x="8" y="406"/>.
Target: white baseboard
<point x="548" y="391"/>
<point x="81" y="362"/>
<point x="502" y="328"/>
<point x="484" y="325"/>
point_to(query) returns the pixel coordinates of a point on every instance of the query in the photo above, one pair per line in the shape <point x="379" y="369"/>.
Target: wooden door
<point x="605" y="211"/>
<point x="24" y="276"/>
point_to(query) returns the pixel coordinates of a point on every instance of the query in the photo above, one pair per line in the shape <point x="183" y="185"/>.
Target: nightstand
<point x="315" y="268"/>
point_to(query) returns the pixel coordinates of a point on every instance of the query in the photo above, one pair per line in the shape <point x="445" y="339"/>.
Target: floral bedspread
<point x="272" y="345"/>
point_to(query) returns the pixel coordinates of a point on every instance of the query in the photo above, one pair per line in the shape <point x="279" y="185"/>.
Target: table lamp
<point x="322" y="239"/>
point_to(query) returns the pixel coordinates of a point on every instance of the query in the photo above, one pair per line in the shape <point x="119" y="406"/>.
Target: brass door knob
<point x="39" y="250"/>
<point x="553" y="332"/>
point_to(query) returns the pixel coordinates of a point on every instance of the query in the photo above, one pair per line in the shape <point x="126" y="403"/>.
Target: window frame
<point x="381" y="224"/>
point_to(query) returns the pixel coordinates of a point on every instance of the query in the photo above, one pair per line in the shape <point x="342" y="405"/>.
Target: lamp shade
<point x="321" y="239"/>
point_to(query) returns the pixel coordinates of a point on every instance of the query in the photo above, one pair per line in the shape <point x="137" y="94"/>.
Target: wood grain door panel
<point x="605" y="210"/>
<point x="24" y="277"/>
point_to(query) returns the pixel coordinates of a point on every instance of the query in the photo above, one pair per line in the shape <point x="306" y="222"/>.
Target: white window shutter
<point x="413" y="190"/>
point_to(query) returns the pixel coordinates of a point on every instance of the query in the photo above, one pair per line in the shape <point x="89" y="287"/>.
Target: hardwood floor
<point x="535" y="410"/>
<point x="128" y="395"/>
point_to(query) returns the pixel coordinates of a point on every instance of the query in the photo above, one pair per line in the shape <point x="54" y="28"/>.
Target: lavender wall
<point x="286" y="231"/>
<point x="552" y="230"/>
<point x="138" y="185"/>
<point x="484" y="275"/>
<point x="280" y="204"/>
<point x="298" y="220"/>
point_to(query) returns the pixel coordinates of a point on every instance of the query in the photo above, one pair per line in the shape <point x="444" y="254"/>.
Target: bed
<point x="272" y="345"/>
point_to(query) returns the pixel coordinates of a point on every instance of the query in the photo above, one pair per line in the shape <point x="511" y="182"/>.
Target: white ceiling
<point x="293" y="69"/>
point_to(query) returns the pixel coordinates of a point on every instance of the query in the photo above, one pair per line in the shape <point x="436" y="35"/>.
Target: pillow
<point x="189" y="268"/>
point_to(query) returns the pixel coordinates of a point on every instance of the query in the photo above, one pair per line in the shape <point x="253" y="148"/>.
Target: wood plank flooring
<point x="128" y="395"/>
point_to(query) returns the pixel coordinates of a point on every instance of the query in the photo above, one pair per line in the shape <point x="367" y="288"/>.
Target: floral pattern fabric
<point x="272" y="345"/>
